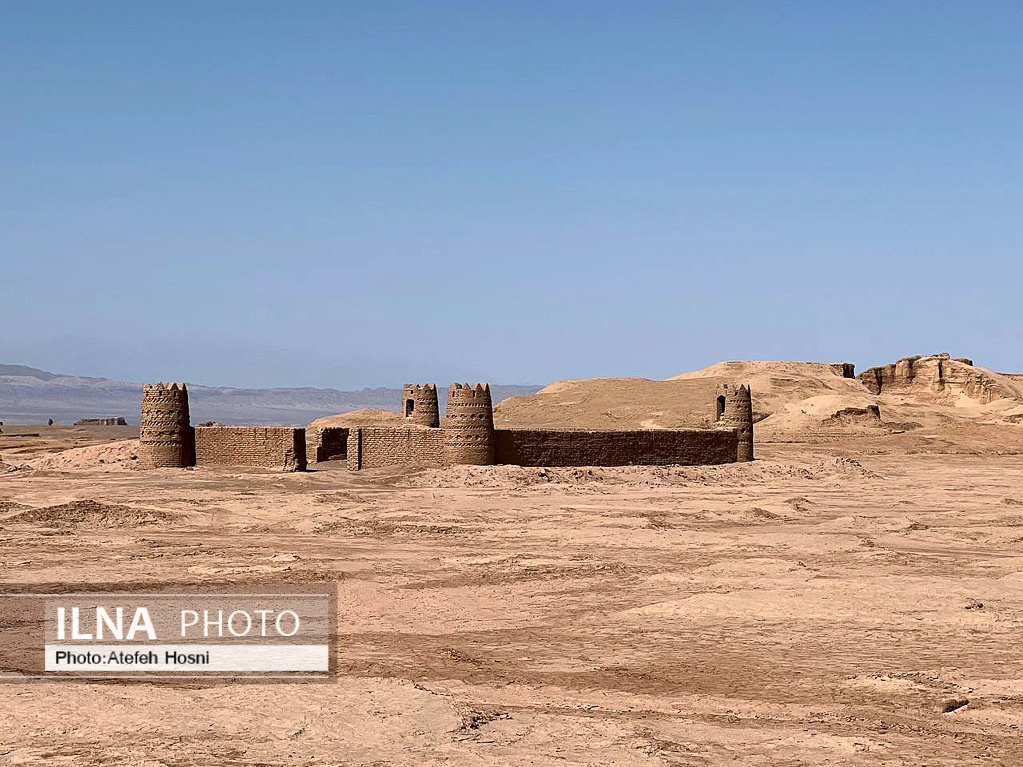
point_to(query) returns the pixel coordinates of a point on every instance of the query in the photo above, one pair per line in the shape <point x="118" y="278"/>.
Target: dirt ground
<point x="852" y="600"/>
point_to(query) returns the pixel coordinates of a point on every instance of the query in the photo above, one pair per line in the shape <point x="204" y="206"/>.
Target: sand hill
<point x="367" y="416"/>
<point x="777" y="383"/>
<point x="680" y="401"/>
<point x="788" y="397"/>
<point x="613" y="403"/>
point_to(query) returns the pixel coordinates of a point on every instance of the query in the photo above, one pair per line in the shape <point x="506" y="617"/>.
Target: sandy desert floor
<point x="849" y="601"/>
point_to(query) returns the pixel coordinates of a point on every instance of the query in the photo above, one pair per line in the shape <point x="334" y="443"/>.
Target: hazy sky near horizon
<point x="360" y="194"/>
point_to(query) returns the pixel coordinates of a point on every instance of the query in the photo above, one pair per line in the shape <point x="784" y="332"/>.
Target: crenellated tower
<point x="469" y="436"/>
<point x="735" y="410"/>
<point x="419" y="405"/>
<point x="166" y="438"/>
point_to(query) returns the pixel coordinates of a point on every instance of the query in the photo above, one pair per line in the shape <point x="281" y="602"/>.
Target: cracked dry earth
<point x="846" y="602"/>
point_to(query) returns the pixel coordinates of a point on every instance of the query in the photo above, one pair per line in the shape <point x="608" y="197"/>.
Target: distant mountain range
<point x="29" y="395"/>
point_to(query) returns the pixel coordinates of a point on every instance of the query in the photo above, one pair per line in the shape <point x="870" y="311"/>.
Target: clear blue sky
<point x="359" y="194"/>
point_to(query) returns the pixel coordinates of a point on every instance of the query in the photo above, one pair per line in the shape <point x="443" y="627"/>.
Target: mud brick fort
<point x="167" y="438"/>
<point x="468" y="437"/>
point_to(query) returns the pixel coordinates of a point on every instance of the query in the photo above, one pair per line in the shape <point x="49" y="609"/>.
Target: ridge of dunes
<point x="788" y="397"/>
<point x="613" y="403"/>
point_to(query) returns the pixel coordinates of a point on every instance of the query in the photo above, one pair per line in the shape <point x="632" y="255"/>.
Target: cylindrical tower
<point x="469" y="436"/>
<point x="735" y="410"/>
<point x="419" y="405"/>
<point x="166" y="438"/>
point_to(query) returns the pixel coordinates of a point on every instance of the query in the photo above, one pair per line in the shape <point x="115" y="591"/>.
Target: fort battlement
<point x="419" y="405"/>
<point x="468" y="392"/>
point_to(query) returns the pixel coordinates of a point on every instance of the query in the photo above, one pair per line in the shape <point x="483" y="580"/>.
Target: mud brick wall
<point x="372" y="447"/>
<point x="327" y="444"/>
<point x="119" y="421"/>
<point x="270" y="447"/>
<point x="578" y="447"/>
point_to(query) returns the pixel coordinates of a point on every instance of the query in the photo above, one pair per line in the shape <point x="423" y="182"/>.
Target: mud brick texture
<point x="269" y="447"/>
<point x="419" y="405"/>
<point x="165" y="434"/>
<point x="571" y="447"/>
<point x="395" y="446"/>
<point x="373" y="447"/>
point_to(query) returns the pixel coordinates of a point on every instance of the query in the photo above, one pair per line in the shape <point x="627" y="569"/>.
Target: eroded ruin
<point x="467" y="437"/>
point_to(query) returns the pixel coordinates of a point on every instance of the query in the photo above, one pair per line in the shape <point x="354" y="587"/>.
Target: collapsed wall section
<point x="328" y="443"/>
<point x="371" y="447"/>
<point x="268" y="447"/>
<point x="580" y="447"/>
<point x="844" y="369"/>
<point x="118" y="421"/>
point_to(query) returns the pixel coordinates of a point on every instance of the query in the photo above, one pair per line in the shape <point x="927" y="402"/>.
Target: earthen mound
<point x="91" y="513"/>
<point x="826" y="413"/>
<point x="789" y="398"/>
<point x="683" y="401"/>
<point x="597" y="479"/>
<point x="776" y="383"/>
<point x="368" y="416"/>
<point x="613" y="403"/>
<point x="856" y="416"/>
<point x="119" y="455"/>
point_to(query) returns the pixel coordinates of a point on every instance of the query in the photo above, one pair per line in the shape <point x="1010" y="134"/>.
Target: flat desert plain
<point x="846" y="599"/>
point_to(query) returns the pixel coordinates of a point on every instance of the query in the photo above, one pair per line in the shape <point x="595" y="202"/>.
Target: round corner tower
<point x="735" y="411"/>
<point x="419" y="405"/>
<point x="469" y="436"/>
<point x="165" y="435"/>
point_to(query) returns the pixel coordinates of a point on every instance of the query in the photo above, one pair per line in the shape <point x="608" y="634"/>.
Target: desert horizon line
<point x="474" y="379"/>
